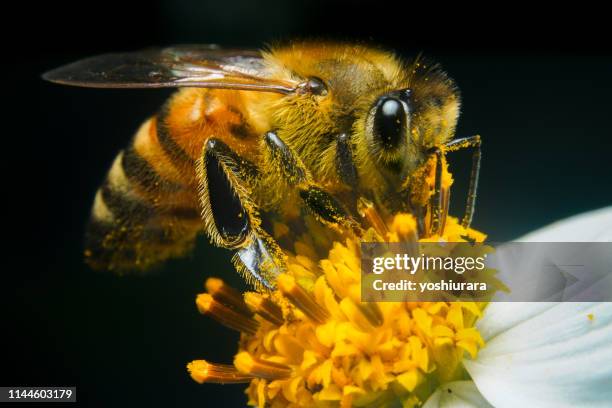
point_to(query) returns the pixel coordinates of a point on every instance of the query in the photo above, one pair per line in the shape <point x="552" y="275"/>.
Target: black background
<point x="536" y="85"/>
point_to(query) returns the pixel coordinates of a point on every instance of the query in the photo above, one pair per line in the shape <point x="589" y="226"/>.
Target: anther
<point x="264" y="307"/>
<point x="301" y="299"/>
<point x="269" y="370"/>
<point x="226" y="316"/>
<point x="203" y="371"/>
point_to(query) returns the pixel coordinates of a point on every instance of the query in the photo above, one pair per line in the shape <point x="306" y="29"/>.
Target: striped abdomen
<point x="147" y="209"/>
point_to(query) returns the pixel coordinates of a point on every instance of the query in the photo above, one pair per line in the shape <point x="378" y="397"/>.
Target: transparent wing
<point x="203" y="66"/>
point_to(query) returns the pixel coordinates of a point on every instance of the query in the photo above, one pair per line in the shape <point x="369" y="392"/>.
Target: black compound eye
<point x="390" y="122"/>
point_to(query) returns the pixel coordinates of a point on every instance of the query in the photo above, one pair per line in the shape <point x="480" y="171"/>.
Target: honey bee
<point x="256" y="135"/>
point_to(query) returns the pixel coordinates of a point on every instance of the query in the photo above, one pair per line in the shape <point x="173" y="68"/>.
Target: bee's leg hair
<point x="230" y="216"/>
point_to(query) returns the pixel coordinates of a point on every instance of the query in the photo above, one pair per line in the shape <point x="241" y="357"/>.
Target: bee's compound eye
<point x="390" y="122"/>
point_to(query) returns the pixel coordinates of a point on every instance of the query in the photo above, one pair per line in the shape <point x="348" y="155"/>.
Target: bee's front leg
<point x="322" y="204"/>
<point x="438" y="216"/>
<point x="475" y="143"/>
<point x="440" y="197"/>
<point x="231" y="217"/>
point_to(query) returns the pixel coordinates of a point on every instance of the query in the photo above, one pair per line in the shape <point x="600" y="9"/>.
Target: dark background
<point x="536" y="85"/>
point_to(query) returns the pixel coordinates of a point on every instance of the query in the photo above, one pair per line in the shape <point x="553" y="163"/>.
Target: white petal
<point x="555" y="355"/>
<point x="549" y="354"/>
<point x="458" y="394"/>
<point x="592" y="226"/>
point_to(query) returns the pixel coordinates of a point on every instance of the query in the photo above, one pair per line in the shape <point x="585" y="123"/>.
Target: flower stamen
<point x="372" y="312"/>
<point x="264" y="307"/>
<point x="301" y="299"/>
<point x="369" y="213"/>
<point x="227" y="295"/>
<point x="225" y="315"/>
<point x="202" y="371"/>
<point x="269" y="370"/>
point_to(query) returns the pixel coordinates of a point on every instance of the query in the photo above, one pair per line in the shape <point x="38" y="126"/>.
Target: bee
<point x="254" y="135"/>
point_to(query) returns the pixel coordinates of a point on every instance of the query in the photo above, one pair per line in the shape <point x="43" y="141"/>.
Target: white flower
<point x="542" y="354"/>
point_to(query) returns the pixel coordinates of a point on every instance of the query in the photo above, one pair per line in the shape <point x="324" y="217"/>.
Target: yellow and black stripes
<point x="146" y="210"/>
<point x="139" y="171"/>
<point x="127" y="228"/>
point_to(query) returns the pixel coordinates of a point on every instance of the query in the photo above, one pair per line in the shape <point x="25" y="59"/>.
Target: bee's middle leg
<point x="321" y="204"/>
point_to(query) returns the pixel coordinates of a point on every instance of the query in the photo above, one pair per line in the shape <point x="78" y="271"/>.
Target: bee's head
<point x="404" y="122"/>
<point x="362" y="109"/>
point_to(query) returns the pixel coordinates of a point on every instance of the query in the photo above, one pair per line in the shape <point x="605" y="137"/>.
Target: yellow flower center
<point x="313" y="343"/>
